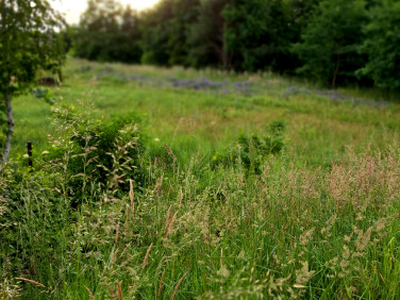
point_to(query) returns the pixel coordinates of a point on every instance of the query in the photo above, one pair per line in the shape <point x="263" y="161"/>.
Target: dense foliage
<point x="330" y="42"/>
<point x="382" y="45"/>
<point x="98" y="154"/>
<point x="335" y="42"/>
<point x="109" y="32"/>
<point x="28" y="42"/>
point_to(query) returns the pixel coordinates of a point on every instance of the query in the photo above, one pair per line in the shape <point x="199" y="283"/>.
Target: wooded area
<point x="338" y="42"/>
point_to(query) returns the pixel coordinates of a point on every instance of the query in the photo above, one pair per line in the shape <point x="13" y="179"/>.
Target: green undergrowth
<point x="162" y="192"/>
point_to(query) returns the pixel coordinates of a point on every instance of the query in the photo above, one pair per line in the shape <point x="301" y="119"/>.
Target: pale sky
<point x="73" y="8"/>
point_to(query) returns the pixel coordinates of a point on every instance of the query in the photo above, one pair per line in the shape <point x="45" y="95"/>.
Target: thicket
<point x="335" y="42"/>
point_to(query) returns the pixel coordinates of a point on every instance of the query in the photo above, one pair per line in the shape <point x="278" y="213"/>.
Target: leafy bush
<point x="97" y="155"/>
<point x="250" y="152"/>
<point x="90" y="159"/>
<point x="43" y="93"/>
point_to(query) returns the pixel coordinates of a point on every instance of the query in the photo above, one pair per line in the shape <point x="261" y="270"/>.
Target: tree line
<point x="337" y="42"/>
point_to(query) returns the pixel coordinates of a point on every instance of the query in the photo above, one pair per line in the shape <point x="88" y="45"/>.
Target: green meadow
<point x="318" y="128"/>
<point x="220" y="186"/>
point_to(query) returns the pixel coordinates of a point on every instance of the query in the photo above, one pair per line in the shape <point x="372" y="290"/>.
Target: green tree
<point x="301" y="11"/>
<point x="166" y="31"/>
<point x="97" y="26"/>
<point x="207" y="44"/>
<point x="28" y="42"/>
<point x="329" y="47"/>
<point x="258" y="34"/>
<point x="155" y="33"/>
<point x="132" y="51"/>
<point x="185" y="13"/>
<point x="109" y="32"/>
<point x="382" y="45"/>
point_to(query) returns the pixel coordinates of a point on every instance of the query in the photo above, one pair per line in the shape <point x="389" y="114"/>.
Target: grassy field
<point x="214" y="218"/>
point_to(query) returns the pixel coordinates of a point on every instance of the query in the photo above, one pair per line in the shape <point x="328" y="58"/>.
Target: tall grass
<point x="318" y="220"/>
<point x="285" y="233"/>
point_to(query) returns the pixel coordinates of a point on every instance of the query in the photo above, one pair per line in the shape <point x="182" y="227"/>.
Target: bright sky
<point x="73" y="8"/>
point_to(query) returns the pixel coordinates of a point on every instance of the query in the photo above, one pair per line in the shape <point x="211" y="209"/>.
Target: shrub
<point x="97" y="155"/>
<point x="250" y="152"/>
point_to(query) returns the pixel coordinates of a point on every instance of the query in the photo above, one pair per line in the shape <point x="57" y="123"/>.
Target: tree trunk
<point x="60" y="77"/>
<point x="335" y="73"/>
<point x="226" y="59"/>
<point x="10" y="129"/>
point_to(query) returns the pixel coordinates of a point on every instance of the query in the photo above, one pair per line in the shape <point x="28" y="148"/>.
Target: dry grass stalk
<point x="126" y="221"/>
<point x="303" y="275"/>
<point x="124" y="250"/>
<point x="119" y="288"/>
<point x="170" y="223"/>
<point x="159" y="184"/>
<point x="363" y="239"/>
<point x="306" y="237"/>
<point x="177" y="286"/>
<point x="31" y="281"/>
<point x="111" y="291"/>
<point x="146" y="258"/>
<point x="131" y="196"/>
<point x="167" y="218"/>
<point x="180" y="197"/>
<point x="114" y="257"/>
<point x="90" y="293"/>
<point x="117" y="234"/>
<point x="170" y="152"/>
<point x="161" y="284"/>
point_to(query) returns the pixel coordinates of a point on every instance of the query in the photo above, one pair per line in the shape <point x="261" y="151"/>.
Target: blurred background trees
<point x="331" y="40"/>
<point x="109" y="32"/>
<point x="336" y="42"/>
<point x="382" y="45"/>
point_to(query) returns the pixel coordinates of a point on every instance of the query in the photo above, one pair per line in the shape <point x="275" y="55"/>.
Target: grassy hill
<point x="251" y="186"/>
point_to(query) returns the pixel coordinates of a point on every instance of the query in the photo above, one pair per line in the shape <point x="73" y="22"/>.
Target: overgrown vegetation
<point x="246" y="188"/>
<point x="172" y="183"/>
<point x="97" y="154"/>
<point x="252" y="152"/>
